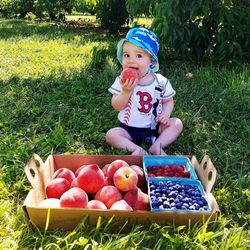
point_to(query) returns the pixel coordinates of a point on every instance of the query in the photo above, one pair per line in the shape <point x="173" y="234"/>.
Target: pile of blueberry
<point x="175" y="195"/>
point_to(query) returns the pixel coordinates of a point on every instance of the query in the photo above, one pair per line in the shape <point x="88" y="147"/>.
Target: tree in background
<point x="200" y="29"/>
<point x="112" y="14"/>
<point x="84" y="6"/>
<point x="16" y="8"/>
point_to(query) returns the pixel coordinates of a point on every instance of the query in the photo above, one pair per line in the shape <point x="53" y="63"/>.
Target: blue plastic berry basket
<point x="168" y="160"/>
<point x="177" y="195"/>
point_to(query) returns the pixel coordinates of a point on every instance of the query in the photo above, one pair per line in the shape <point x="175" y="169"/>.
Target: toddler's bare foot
<point x="139" y="151"/>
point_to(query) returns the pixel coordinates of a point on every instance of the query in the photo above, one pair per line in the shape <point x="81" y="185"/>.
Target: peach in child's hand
<point x="128" y="73"/>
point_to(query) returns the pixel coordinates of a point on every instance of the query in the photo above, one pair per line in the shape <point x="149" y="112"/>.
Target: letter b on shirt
<point x="145" y="101"/>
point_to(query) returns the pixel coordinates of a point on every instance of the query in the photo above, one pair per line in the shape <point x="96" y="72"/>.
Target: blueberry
<point x="197" y="193"/>
<point x="164" y="198"/>
<point x="193" y="193"/>
<point x="203" y="200"/>
<point x="178" y="205"/>
<point x="180" y="197"/>
<point x="172" y="194"/>
<point x="196" y="206"/>
<point x="154" y="203"/>
<point x="171" y="199"/>
<point x="157" y="195"/>
<point x="177" y="200"/>
<point x="152" y="186"/>
<point x="153" y="197"/>
<point x="170" y="183"/>
<point x="200" y="203"/>
<point x="166" y="204"/>
<point x="192" y="207"/>
<point x="160" y="201"/>
<point x="178" y="187"/>
<point x="186" y="199"/>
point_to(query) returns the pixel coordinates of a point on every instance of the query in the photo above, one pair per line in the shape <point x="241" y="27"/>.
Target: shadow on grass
<point x="14" y="28"/>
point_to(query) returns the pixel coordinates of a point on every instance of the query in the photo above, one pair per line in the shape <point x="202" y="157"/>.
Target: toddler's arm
<point x="119" y="101"/>
<point x="167" y="109"/>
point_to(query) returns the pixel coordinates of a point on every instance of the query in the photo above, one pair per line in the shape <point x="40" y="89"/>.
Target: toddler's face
<point x="135" y="57"/>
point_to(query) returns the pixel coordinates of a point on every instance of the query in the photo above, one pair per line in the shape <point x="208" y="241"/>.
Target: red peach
<point x="74" y="183"/>
<point x="74" y="198"/>
<point x="56" y="187"/>
<point x="125" y="179"/>
<point x="95" y="204"/>
<point x="128" y="73"/>
<point x="121" y="205"/>
<point x="108" y="182"/>
<point x="137" y="199"/>
<point x="108" y="195"/>
<point x="105" y="170"/>
<point x="64" y="173"/>
<point x="141" y="179"/>
<point x="90" y="178"/>
<point x="79" y="169"/>
<point x="114" y="166"/>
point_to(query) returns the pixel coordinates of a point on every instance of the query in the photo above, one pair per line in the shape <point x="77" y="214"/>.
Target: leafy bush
<point x="55" y="9"/>
<point x="84" y="6"/>
<point x="10" y="8"/>
<point x="112" y="14"/>
<point x="202" y="29"/>
<point x="140" y="7"/>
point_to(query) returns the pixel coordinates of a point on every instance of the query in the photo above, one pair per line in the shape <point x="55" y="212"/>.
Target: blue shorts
<point x="139" y="135"/>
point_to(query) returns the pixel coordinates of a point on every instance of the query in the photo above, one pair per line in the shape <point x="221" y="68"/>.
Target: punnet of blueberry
<point x="174" y="195"/>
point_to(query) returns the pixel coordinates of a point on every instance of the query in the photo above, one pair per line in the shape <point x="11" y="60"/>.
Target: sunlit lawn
<point x="54" y="99"/>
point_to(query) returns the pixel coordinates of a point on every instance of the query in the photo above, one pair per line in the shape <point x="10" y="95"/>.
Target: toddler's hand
<point x="163" y="120"/>
<point x="129" y="85"/>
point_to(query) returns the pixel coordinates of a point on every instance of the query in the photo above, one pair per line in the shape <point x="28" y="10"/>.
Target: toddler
<point x="145" y="103"/>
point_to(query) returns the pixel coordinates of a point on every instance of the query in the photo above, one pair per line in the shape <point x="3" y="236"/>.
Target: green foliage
<point x="84" y="6"/>
<point x="10" y="8"/>
<point x="112" y="14"/>
<point x="7" y="7"/>
<point x="140" y="7"/>
<point x="205" y="29"/>
<point x="55" y="9"/>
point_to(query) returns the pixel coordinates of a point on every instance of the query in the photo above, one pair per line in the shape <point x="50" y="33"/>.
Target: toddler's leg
<point x="120" y="138"/>
<point x="167" y="135"/>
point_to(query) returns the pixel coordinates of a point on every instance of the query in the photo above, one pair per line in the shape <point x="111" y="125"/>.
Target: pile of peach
<point x="168" y="171"/>
<point x="116" y="186"/>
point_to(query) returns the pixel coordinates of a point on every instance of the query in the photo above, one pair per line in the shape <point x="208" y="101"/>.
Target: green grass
<point x="54" y="99"/>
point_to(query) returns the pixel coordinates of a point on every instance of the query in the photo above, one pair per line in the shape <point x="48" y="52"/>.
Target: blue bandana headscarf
<point x="146" y="40"/>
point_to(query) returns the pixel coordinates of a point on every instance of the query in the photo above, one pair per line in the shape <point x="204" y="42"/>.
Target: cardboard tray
<point x="39" y="173"/>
